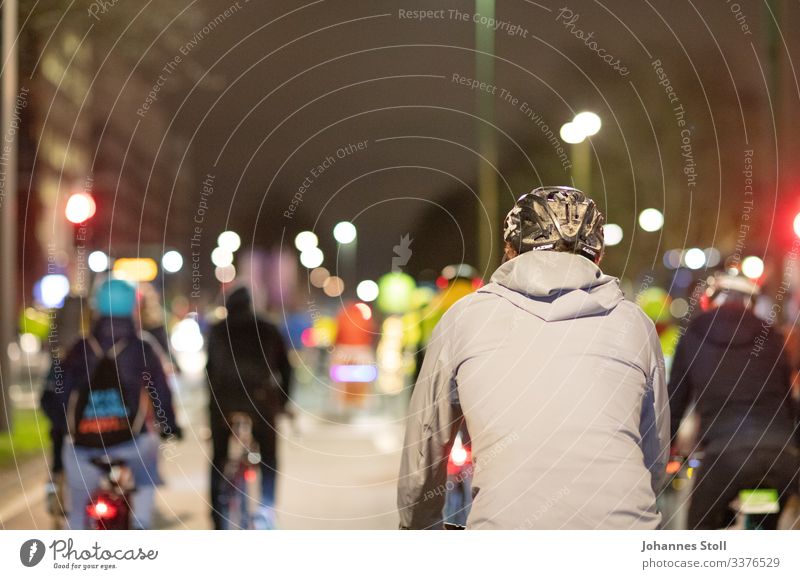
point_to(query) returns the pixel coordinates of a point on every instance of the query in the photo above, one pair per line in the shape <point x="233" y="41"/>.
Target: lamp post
<point x="8" y="208"/>
<point x="488" y="207"/>
<point x="576" y="133"/>
<point x="346" y="237"/>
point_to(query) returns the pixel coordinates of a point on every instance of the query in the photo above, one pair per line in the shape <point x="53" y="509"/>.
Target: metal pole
<point x="488" y="210"/>
<point x="582" y="166"/>
<point x="8" y="207"/>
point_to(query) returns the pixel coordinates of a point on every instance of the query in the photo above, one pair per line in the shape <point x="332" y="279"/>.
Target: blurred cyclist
<point x="115" y="403"/>
<point x="560" y="380"/>
<point x="732" y="366"/>
<point x="248" y="372"/>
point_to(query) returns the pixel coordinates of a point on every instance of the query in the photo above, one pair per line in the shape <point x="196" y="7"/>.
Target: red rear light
<point x="460" y="457"/>
<point x="250" y="475"/>
<point x="101" y="509"/>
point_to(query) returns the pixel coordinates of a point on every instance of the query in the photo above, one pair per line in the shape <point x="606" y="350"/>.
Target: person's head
<point x="554" y="219"/>
<point x="115" y="298"/>
<point x="239" y="301"/>
<point x="730" y="289"/>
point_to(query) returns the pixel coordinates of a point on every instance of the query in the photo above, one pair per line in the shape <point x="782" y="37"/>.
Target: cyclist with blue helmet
<point x="114" y="402"/>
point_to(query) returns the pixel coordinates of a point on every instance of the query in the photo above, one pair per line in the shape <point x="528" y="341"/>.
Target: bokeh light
<point x="651" y="220"/>
<point x="753" y="267"/>
<point x="367" y="291"/>
<point x="344" y="232"/>
<point x="612" y="233"/>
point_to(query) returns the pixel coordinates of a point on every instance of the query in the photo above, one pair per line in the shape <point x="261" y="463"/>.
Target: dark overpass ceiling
<point x="275" y="97"/>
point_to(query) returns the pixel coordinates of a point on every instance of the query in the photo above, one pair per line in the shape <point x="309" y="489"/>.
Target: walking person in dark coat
<point x="248" y="372"/>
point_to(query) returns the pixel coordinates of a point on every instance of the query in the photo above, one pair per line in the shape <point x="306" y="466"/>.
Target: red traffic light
<point x="80" y="208"/>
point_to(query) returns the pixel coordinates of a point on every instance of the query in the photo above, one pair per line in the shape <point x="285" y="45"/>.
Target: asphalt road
<point x="331" y="475"/>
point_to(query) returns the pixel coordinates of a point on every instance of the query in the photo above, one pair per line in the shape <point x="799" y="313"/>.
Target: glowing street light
<point x="229" y="240"/>
<point x="305" y="240"/>
<point x="172" y="261"/>
<point x="225" y="273"/>
<point x="312" y="258"/>
<point x="651" y="220"/>
<point x="585" y="124"/>
<point x="588" y="123"/>
<point x="612" y="234"/>
<point x="221" y="257"/>
<point x="344" y="232"/>
<point x="80" y="208"/>
<point x="97" y="261"/>
<point x="694" y="258"/>
<point x="367" y="291"/>
<point x="571" y="133"/>
<point x="753" y="267"/>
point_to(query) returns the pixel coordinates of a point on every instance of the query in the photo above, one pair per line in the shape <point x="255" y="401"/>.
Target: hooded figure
<point x="561" y="383"/>
<point x="733" y="367"/>
<point x="248" y="372"/>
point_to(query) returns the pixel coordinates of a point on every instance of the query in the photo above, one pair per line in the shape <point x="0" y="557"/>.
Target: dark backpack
<point x="100" y="411"/>
<point x="243" y="381"/>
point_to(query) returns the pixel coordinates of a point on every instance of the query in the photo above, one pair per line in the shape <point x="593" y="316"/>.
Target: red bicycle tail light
<point x="250" y="475"/>
<point x="101" y="509"/>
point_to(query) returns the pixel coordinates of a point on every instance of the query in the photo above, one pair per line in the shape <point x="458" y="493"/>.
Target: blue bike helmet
<point x="115" y="298"/>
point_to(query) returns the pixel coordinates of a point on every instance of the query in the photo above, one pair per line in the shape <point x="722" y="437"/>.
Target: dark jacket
<point x="247" y="361"/>
<point x="732" y="364"/>
<point x="139" y="366"/>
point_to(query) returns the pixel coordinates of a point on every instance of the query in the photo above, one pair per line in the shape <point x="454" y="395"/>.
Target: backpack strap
<point x="116" y="349"/>
<point x="95" y="346"/>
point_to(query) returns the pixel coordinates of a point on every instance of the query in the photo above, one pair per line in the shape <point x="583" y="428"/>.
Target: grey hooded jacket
<point x="561" y="383"/>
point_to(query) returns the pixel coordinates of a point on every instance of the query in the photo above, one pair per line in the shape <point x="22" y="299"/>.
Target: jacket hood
<point x="555" y="286"/>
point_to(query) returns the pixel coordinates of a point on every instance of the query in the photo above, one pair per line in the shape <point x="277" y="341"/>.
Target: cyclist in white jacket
<point x="560" y="381"/>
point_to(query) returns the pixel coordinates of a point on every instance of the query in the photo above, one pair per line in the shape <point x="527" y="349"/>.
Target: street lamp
<point x="584" y="124"/>
<point x="694" y="258"/>
<point x="98" y="261"/>
<point x="312" y="257"/>
<point x="229" y="240"/>
<point x="221" y="257"/>
<point x="612" y="234"/>
<point x="172" y="261"/>
<point x="651" y="220"/>
<point x="344" y="232"/>
<point x="753" y="267"/>
<point x="80" y="208"/>
<point x="305" y="240"/>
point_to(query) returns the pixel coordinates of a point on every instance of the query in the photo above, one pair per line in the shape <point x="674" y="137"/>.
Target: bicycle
<point x="109" y="507"/>
<point x="240" y="470"/>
